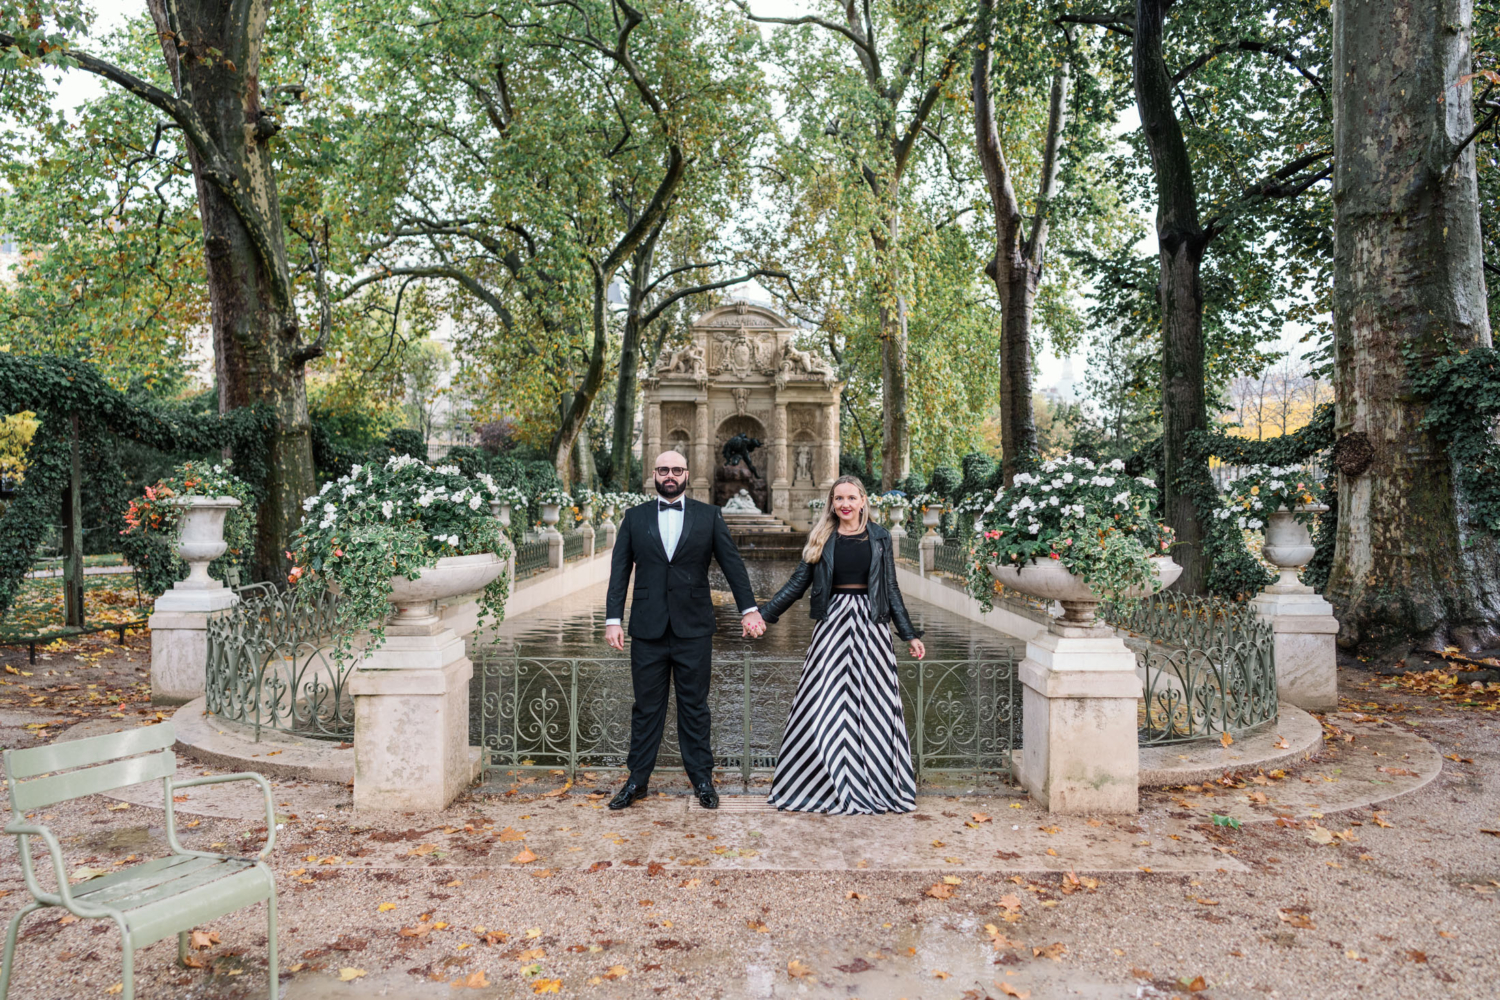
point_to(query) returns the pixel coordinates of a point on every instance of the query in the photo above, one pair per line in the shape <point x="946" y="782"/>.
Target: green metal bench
<point x="147" y="901"/>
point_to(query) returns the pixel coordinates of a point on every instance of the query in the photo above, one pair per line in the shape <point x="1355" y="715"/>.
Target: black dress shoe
<point x="627" y="795"/>
<point x="707" y="796"/>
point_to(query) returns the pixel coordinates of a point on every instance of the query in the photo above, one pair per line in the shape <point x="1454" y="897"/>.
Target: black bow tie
<point x="662" y="505"/>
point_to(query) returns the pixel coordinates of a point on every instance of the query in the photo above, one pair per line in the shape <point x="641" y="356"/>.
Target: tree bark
<point x="258" y="353"/>
<point x="895" y="445"/>
<point x="1020" y="251"/>
<point x="1409" y="566"/>
<point x="1181" y="239"/>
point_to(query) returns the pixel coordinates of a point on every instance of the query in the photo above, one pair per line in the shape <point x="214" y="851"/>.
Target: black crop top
<point x="851" y="561"/>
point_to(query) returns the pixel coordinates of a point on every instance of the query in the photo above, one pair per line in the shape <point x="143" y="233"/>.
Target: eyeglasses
<point x="676" y="470"/>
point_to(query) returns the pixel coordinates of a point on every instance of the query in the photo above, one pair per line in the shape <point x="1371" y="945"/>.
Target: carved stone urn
<point x="201" y="538"/>
<point x="1289" y="545"/>
<point x="1050" y="580"/>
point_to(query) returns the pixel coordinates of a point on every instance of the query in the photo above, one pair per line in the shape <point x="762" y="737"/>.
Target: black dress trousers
<point x="687" y="663"/>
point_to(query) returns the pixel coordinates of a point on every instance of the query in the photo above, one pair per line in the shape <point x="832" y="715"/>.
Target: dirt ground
<point x="1394" y="900"/>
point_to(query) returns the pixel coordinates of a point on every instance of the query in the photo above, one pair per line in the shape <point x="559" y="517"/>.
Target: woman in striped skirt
<point x="845" y="749"/>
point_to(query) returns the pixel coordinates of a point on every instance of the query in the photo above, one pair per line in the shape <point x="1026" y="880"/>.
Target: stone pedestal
<point x="589" y="535"/>
<point x="179" y="640"/>
<point x="1080" y="692"/>
<point x="1306" y="658"/>
<point x="411" y="720"/>
<point x="927" y="552"/>
<point x="608" y="533"/>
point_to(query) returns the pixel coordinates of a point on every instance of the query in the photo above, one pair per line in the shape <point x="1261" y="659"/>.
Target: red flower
<point x="1055" y="555"/>
<point x="339" y="553"/>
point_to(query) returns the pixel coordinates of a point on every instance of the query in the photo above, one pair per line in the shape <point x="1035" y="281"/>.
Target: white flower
<point x="309" y="503"/>
<point x="1123" y="499"/>
<point x="330" y="509"/>
<point x="356" y="470"/>
<point x="447" y="470"/>
<point x="325" y="489"/>
<point x="1034" y="528"/>
<point x="1117" y="465"/>
<point x="386" y="508"/>
<point x="1052" y="501"/>
<point x="1067" y="478"/>
<point x="1255" y="522"/>
<point x="475" y="501"/>
<point x="1146" y="482"/>
<point x="1242" y="522"/>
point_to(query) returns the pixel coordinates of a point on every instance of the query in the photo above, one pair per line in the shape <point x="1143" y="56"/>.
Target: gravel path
<point x="1400" y="901"/>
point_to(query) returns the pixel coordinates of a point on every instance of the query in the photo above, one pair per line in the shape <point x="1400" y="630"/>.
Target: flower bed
<point x="1264" y="489"/>
<point x="1097" y="521"/>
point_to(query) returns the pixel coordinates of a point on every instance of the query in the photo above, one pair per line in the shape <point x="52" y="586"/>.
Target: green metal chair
<point x="148" y="901"/>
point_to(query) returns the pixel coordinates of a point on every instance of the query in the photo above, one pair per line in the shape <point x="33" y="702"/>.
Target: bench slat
<point x="39" y="792"/>
<point x="64" y="754"/>
<point x="138" y="877"/>
<point x="177" y="880"/>
<point x="198" y="905"/>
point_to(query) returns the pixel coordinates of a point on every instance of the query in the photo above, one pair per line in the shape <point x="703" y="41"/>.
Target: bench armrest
<point x="63" y="896"/>
<point x="265" y="787"/>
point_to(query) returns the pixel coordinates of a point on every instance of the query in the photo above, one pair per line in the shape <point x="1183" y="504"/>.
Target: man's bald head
<point x="671" y="482"/>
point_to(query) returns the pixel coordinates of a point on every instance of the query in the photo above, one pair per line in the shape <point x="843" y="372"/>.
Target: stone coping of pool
<point x="1295" y="736"/>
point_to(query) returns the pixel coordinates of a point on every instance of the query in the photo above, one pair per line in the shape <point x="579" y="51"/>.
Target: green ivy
<point x="1461" y="397"/>
<point x="58" y="388"/>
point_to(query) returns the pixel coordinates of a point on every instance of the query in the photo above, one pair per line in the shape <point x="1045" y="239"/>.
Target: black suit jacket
<point x="674" y="592"/>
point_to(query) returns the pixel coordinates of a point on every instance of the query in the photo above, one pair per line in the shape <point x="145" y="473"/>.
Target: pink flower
<point x="338" y="553"/>
<point x="1054" y="555"/>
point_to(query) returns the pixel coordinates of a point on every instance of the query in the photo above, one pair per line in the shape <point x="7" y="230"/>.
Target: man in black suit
<point x="668" y="543"/>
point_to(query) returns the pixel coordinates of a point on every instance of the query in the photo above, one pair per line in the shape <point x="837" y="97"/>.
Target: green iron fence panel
<point x="531" y="558"/>
<point x="270" y="665"/>
<point x="952" y="557"/>
<point x="573" y="545"/>
<point x="963" y="716"/>
<point x="1209" y="665"/>
<point x="911" y="548"/>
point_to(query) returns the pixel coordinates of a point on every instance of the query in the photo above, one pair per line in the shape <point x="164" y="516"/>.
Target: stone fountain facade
<point x="742" y="373"/>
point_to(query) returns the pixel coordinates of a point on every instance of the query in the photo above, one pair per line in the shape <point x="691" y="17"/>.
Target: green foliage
<point x="1461" y="397"/>
<point x="946" y="482"/>
<point x="153" y="522"/>
<point x="61" y="389"/>
<point x="392" y="520"/>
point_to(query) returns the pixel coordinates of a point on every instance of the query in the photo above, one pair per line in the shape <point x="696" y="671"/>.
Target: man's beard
<point x="671" y="494"/>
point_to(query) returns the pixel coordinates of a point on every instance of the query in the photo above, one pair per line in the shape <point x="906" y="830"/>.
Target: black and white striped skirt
<point x="845" y="750"/>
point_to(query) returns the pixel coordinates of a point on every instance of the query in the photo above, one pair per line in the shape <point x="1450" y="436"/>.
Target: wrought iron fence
<point x="911" y="548"/>
<point x="270" y="665"/>
<point x="531" y="558"/>
<point x="952" y="557"/>
<point x="573" y="545"/>
<point x="963" y="716"/>
<point x="1209" y="665"/>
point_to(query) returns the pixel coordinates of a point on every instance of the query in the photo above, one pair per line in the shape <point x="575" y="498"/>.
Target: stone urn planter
<point x="1050" y="580"/>
<point x="502" y="513"/>
<point x="896" y="516"/>
<point x="201" y="539"/>
<point x="877" y="515"/>
<point x="416" y="600"/>
<point x="550" y="514"/>
<point x="1289" y="545"/>
<point x="931" y="518"/>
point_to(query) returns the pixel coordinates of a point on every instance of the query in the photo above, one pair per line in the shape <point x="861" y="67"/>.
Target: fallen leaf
<point x="524" y="858"/>
<point x="194" y="961"/>
<point x="952" y="880"/>
<point x="203" y="940"/>
<point x="1010" y="902"/>
<point x="616" y="972"/>
<point x="84" y="874"/>
<point x="348" y="975"/>
<point x="939" y="974"/>
<point x="118" y="806"/>
<point x="1142" y="973"/>
<point x="1420" y="957"/>
<point x="1011" y="991"/>
<point x="421" y="851"/>
<point x="453" y="885"/>
<point x="116" y="988"/>
<point x="1320" y="835"/>
<point x="1296" y="919"/>
<point x="1053" y="951"/>
<point x="851" y="894"/>
<point x="999" y="940"/>
<point x="421" y="930"/>
<point x="1281" y="743"/>
<point x="386" y="907"/>
<point x="547" y="986"/>
<point x="980" y="818"/>
<point x="757" y="926"/>
<point x="558" y="791"/>
<point x="797" y="969"/>
<point x="1398" y="770"/>
<point x="939" y="891"/>
<point x="532" y="955"/>
<point x="509" y="834"/>
<point x="475" y="981"/>
<point x="1195" y="985"/>
<point x="1226" y="739"/>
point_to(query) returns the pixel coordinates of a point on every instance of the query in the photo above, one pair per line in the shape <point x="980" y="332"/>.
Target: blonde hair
<point x="825" y="526"/>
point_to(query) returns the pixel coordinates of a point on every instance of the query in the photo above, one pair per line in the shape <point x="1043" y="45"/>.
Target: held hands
<point x="752" y="626"/>
<point x="615" y="636"/>
<point x="917" y="649"/>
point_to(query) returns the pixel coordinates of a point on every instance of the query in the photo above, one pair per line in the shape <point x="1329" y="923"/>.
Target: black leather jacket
<point x="885" y="595"/>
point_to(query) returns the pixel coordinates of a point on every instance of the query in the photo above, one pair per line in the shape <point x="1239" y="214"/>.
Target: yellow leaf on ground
<point x="475" y="980"/>
<point x="757" y="926"/>
<point x="118" y="806"/>
<point x="547" y="986"/>
<point x="525" y="857"/>
<point x="421" y="851"/>
<point x="202" y="940"/>
<point x="851" y="894"/>
<point x="1226" y="739"/>
<point x="999" y="940"/>
<point x="939" y="891"/>
<point x="454" y="884"/>
<point x="616" y="972"/>
<point x="116" y="988"/>
<point x="509" y="834"/>
<point x="386" y="907"/>
<point x="1053" y="951"/>
<point x="1011" y="991"/>
<point x="1010" y="902"/>
<point x="980" y="818"/>
<point x="797" y="969"/>
<point x="939" y="974"/>
<point x="348" y="975"/>
<point x="532" y="955"/>
<point x="952" y="880"/>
